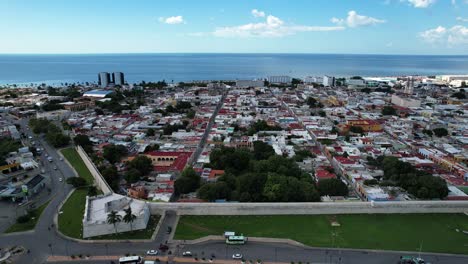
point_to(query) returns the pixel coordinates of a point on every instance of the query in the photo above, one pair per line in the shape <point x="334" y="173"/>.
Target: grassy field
<point x="20" y="227"/>
<point x="437" y="232"/>
<point x="71" y="216"/>
<point x="75" y="160"/>
<point x="464" y="189"/>
<point x="137" y="234"/>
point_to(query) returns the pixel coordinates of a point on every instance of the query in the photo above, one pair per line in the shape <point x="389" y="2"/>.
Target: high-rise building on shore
<point x="103" y="79"/>
<point x="118" y="78"/>
<point x="328" y="81"/>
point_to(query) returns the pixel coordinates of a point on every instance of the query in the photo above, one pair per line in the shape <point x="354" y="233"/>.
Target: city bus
<point x="236" y="240"/>
<point x="130" y="260"/>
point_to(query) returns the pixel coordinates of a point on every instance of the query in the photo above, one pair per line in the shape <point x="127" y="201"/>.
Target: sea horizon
<point x="55" y="69"/>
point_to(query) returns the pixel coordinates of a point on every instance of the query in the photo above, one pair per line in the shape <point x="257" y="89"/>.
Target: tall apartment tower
<point x="409" y="85"/>
<point x="328" y="81"/>
<point x="118" y="78"/>
<point x="103" y="79"/>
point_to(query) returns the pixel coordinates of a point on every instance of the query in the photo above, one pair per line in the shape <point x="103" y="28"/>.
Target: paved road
<point x="286" y="253"/>
<point x="201" y="145"/>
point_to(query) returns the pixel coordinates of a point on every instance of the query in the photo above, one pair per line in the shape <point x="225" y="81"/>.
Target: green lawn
<point x="75" y="160"/>
<point x="138" y="234"/>
<point x="376" y="231"/>
<point x="463" y="188"/>
<point x="36" y="213"/>
<point x="70" y="220"/>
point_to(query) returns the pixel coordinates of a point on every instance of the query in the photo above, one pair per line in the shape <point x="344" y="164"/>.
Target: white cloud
<point x="173" y="20"/>
<point x="356" y="20"/>
<point x="257" y="13"/>
<point x="421" y="3"/>
<point x="272" y="27"/>
<point x="461" y="19"/>
<point x="433" y="35"/>
<point x="456" y="35"/>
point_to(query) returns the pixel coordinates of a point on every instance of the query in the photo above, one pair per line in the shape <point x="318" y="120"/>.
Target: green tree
<point x="152" y="147"/>
<point x="189" y="181"/>
<point x="113" y="218"/>
<point x="150" y="132"/>
<point x="262" y="150"/>
<point x="132" y="175"/>
<point x="388" y="110"/>
<point x="332" y="187"/>
<point x="82" y="140"/>
<point x="92" y="190"/>
<point x="440" y="132"/>
<point x="356" y="129"/>
<point x="141" y="163"/>
<point x="77" y="182"/>
<point x="114" y="153"/>
<point x="129" y="217"/>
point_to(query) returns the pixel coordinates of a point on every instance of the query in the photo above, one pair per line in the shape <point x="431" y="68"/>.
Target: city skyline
<point x="429" y="27"/>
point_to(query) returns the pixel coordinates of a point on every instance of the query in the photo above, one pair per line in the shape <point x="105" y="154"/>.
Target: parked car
<point x="169" y="230"/>
<point x="152" y="252"/>
<point x="237" y="256"/>
<point x="60" y="179"/>
<point x="187" y="254"/>
<point x="163" y="248"/>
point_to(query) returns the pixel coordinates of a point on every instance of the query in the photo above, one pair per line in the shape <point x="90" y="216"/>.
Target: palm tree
<point x="129" y="217"/>
<point x="114" y="218"/>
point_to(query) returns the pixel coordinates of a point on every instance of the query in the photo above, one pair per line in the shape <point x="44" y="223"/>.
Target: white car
<point x="60" y="179"/>
<point x="187" y="254"/>
<point x="237" y="256"/>
<point x="152" y="252"/>
<point x="61" y="158"/>
<point x="55" y="168"/>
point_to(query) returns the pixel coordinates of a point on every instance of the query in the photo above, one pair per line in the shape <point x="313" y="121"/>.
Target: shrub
<point x="23" y="219"/>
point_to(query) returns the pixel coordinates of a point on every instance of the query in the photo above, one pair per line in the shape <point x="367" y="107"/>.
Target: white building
<point x="54" y="115"/>
<point x="280" y="79"/>
<point x="249" y="83"/>
<point x="97" y="209"/>
<point x="405" y="101"/>
<point x="328" y="81"/>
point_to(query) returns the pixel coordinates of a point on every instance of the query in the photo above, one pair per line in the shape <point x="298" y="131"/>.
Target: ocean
<point x="58" y="69"/>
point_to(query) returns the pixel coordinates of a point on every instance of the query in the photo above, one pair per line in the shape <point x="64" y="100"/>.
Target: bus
<point x="236" y="240"/>
<point x="131" y="260"/>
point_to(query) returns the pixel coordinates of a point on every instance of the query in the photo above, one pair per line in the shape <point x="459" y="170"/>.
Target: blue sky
<point x="241" y="26"/>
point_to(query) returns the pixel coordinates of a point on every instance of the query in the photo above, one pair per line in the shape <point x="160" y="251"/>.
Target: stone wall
<point x="98" y="179"/>
<point x="311" y="208"/>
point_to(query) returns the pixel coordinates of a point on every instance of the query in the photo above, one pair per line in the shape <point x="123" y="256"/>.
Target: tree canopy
<point x="388" y="110"/>
<point x="189" y="181"/>
<point x="258" y="177"/>
<point x="114" y="153"/>
<point x="418" y="183"/>
<point x="332" y="187"/>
